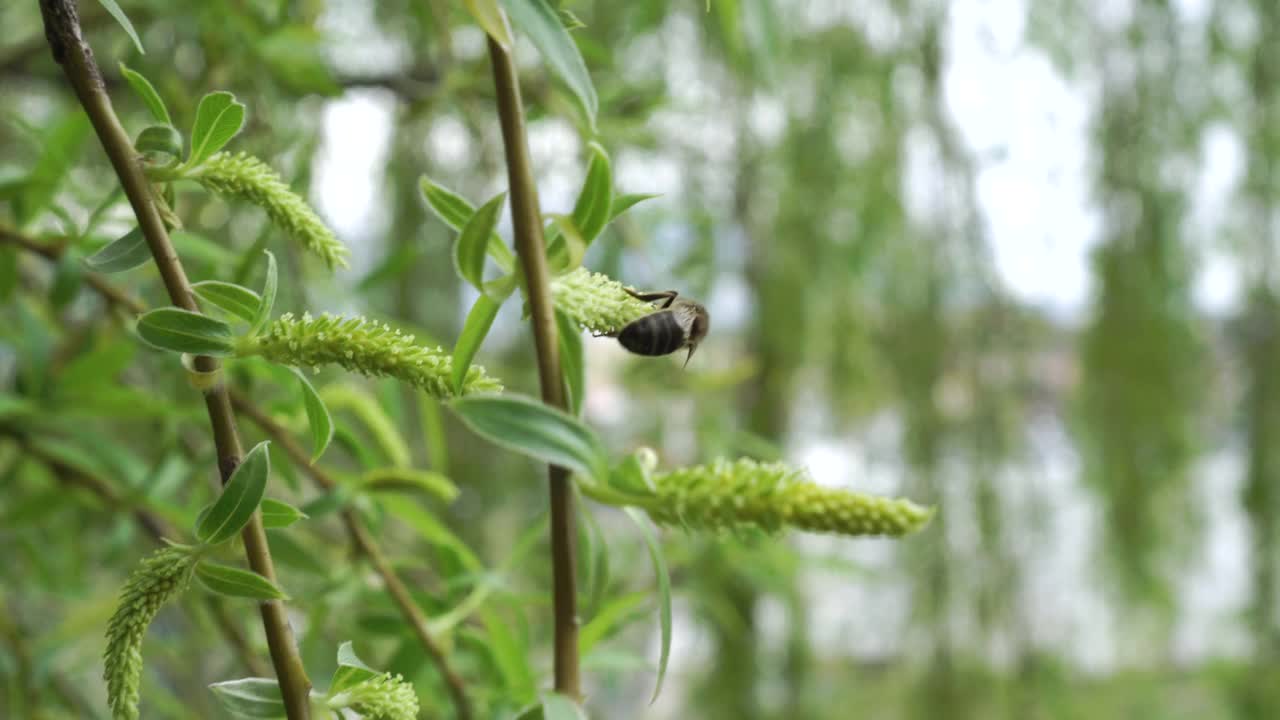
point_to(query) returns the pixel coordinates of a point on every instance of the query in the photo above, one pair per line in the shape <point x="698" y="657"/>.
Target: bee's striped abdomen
<point x="658" y="333"/>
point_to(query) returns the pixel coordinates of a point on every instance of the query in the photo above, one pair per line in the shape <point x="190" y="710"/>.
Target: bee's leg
<point x="668" y="295"/>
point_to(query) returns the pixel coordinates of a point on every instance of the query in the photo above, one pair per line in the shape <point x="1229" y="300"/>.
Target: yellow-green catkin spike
<point x="771" y="496"/>
<point x="247" y="177"/>
<point x="384" y="697"/>
<point x="159" y="578"/>
<point x="364" y="346"/>
<point x="596" y="302"/>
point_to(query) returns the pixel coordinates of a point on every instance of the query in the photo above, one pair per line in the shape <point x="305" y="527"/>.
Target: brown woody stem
<point x="530" y="248"/>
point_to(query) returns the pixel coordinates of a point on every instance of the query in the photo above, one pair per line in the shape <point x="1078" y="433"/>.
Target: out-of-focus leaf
<point x="664" y="593"/>
<point x="489" y="16"/>
<point x="535" y="429"/>
<point x="239" y="499"/>
<point x="251" y="697"/>
<point x="269" y="285"/>
<point x="613" y="615"/>
<point x="234" y="582"/>
<point x="431" y="529"/>
<point x="623" y="203"/>
<point x="183" y="331"/>
<point x="572" y="363"/>
<point x="147" y="92"/>
<point x="538" y="20"/>
<point x="68" y="276"/>
<point x="385" y="431"/>
<point x="277" y="514"/>
<point x="124" y="253"/>
<point x="114" y="10"/>
<point x="59" y="147"/>
<point x="510" y="655"/>
<point x="296" y="57"/>
<point x="401" y="479"/>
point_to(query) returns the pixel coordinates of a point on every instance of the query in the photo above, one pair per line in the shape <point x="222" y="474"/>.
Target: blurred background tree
<point x="1014" y="259"/>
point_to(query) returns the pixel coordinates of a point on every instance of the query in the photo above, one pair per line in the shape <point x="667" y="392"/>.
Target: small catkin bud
<point x="384" y="697"/>
<point x="771" y="496"/>
<point x="596" y="302"/>
<point x="247" y="177"/>
<point x="159" y="578"/>
<point x="364" y="346"/>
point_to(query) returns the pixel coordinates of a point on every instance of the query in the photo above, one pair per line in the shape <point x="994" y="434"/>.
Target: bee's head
<point x="698" y="328"/>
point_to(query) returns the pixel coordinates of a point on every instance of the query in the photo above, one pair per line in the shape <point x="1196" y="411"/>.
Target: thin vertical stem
<point x="530" y="248"/>
<point x="72" y="52"/>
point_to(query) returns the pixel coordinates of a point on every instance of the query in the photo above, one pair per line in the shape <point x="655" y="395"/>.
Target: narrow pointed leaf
<point x="277" y="514"/>
<point x="538" y="20"/>
<point x="566" y="245"/>
<point x="239" y="499"/>
<point x="623" y="203"/>
<point x="147" y="92"/>
<point x="218" y="118"/>
<point x="471" y="245"/>
<point x="595" y="201"/>
<point x="572" y="363"/>
<point x="474" y="330"/>
<point x="234" y="582"/>
<point x="182" y="331"/>
<point x="664" y="593"/>
<point x="237" y="300"/>
<point x="534" y="429"/>
<point x="124" y="253"/>
<point x="409" y="479"/>
<point x="454" y="211"/>
<point x="113" y="9"/>
<point x="268" y="295"/>
<point x="251" y="697"/>
<point x="318" y="417"/>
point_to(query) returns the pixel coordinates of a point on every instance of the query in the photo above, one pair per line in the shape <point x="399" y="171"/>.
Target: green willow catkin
<point x="384" y="697"/>
<point x="771" y="496"/>
<point x="158" y="579"/>
<point x="364" y="346"/>
<point x="247" y="177"/>
<point x="596" y="302"/>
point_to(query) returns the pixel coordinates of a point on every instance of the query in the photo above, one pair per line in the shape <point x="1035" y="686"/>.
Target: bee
<point x="677" y="324"/>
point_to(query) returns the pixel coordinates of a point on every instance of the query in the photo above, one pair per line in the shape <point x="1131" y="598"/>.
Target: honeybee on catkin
<point x="677" y="324"/>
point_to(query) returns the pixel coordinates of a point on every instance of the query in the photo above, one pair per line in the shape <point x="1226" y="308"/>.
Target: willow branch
<point x="530" y="247"/>
<point x="368" y="547"/>
<point x="72" y="52"/>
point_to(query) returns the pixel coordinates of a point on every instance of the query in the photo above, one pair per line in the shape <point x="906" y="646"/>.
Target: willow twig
<point x="72" y="52"/>
<point x="531" y="249"/>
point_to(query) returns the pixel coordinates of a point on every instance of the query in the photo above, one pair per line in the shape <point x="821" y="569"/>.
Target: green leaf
<point x="218" y="118"/>
<point x="269" y="286"/>
<point x="148" y="93"/>
<point x="430" y="528"/>
<point x="295" y="55"/>
<point x="237" y="300"/>
<point x="510" y="654"/>
<point x="616" y="614"/>
<point x="124" y="253"/>
<point x="538" y="20"/>
<point x="400" y="479"/>
<point x="454" y="211"/>
<point x="534" y="429"/>
<point x="239" y="499"/>
<point x="318" y="417"/>
<point x="474" y="330"/>
<point x="351" y="670"/>
<point x="623" y="203"/>
<point x="664" y="593"/>
<point x="554" y="706"/>
<point x="234" y="582"/>
<point x="489" y="16"/>
<point x="572" y="363"/>
<point x="566" y="246"/>
<point x="68" y="276"/>
<point x="470" y="248"/>
<point x="183" y="331"/>
<point x="159" y="139"/>
<point x="595" y="201"/>
<point x="251" y="697"/>
<point x="114" y="10"/>
<point x="277" y="514"/>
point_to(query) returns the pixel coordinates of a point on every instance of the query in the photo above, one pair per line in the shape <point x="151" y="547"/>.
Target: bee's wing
<point x="684" y="315"/>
